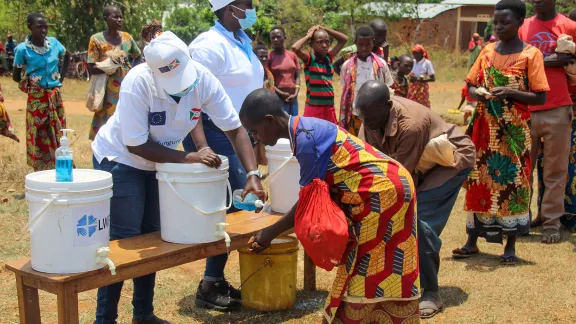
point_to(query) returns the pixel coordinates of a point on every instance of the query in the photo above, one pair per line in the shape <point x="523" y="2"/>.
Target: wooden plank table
<point x="133" y="257"/>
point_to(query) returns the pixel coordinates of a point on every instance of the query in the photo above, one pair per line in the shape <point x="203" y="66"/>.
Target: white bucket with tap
<point x="69" y="222"/>
<point x="284" y="176"/>
<point x="192" y="201"/>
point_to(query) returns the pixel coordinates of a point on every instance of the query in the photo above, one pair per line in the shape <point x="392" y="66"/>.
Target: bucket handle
<point x="190" y="204"/>
<point x="34" y="219"/>
<point x="268" y="179"/>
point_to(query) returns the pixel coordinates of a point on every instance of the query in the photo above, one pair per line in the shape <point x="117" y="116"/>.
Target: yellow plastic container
<point x="273" y="287"/>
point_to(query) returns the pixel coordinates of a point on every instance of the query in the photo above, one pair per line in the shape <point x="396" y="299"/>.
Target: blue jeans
<point x="134" y="210"/>
<point x="434" y="208"/>
<point x="291" y="108"/>
<point x="220" y="144"/>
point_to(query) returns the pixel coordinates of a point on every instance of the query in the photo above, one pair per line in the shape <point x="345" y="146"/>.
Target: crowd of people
<point x="384" y="156"/>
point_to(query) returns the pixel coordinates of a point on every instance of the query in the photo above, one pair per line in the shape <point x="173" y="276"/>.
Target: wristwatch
<point x="255" y="172"/>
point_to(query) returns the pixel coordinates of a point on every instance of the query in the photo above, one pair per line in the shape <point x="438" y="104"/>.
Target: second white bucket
<point x="192" y="201"/>
<point x="284" y="183"/>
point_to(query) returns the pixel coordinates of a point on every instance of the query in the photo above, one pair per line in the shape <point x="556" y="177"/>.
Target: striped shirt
<point x="319" y="72"/>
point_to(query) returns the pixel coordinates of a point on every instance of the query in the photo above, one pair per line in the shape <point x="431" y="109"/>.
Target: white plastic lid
<point x="84" y="180"/>
<point x="191" y="167"/>
<point x="283" y="145"/>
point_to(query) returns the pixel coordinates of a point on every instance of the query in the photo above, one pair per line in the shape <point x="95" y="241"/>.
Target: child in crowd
<point x="261" y="52"/>
<point x="6" y="128"/>
<point x="470" y="103"/>
<point x="400" y="75"/>
<point x="319" y="71"/>
<point x="422" y="73"/>
<point x="361" y="67"/>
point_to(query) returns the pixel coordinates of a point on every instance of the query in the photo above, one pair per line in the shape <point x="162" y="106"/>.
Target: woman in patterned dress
<point x="377" y="279"/>
<point x="45" y="116"/>
<point x="6" y="128"/>
<point x="422" y="73"/>
<point x="498" y="188"/>
<point x="100" y="44"/>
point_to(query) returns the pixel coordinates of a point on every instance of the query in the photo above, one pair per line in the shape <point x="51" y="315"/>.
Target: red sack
<point x="320" y="225"/>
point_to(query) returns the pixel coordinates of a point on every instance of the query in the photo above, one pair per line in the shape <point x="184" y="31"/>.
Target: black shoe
<point x="224" y="288"/>
<point x="215" y="298"/>
<point x="154" y="320"/>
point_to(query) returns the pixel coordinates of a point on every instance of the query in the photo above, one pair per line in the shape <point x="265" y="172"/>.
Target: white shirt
<point x="423" y="68"/>
<point x="218" y="51"/>
<point x="364" y="72"/>
<point x="145" y="112"/>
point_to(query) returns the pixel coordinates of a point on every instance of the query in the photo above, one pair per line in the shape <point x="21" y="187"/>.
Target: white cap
<point x="169" y="58"/>
<point x="219" y="4"/>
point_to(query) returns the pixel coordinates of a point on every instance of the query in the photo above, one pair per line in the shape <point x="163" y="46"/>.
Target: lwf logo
<point x="90" y="229"/>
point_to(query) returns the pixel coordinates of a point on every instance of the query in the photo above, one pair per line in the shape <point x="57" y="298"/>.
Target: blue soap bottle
<point x="64" y="159"/>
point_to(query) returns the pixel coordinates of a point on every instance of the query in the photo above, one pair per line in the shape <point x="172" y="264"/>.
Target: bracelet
<point x="204" y="148"/>
<point x="297" y="87"/>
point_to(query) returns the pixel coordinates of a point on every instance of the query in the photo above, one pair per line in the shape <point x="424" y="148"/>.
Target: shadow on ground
<point x="483" y="262"/>
<point x="306" y="303"/>
<point x="453" y="296"/>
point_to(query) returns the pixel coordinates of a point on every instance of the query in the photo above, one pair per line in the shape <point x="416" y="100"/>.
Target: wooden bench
<point x="133" y="257"/>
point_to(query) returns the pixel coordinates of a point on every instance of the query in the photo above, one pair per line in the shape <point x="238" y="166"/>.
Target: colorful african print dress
<point x="420" y="91"/>
<point x="97" y="49"/>
<point x="379" y="282"/>
<point x="498" y="195"/>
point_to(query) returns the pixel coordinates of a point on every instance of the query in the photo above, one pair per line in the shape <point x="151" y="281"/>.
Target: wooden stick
<point x="28" y="302"/>
<point x="309" y="273"/>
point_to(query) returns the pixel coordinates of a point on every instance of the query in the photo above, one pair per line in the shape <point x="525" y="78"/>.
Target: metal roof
<point x="422" y="11"/>
<point x="472" y="2"/>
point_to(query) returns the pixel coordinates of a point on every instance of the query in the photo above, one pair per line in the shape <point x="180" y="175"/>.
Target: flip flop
<point x="464" y="253"/>
<point x="508" y="260"/>
<point x="429" y="305"/>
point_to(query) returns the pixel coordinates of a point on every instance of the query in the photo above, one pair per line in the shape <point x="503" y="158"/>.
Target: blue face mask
<point x="250" y="19"/>
<point x="183" y="93"/>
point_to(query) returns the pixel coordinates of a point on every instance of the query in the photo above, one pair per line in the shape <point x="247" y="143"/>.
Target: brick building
<point x="448" y="25"/>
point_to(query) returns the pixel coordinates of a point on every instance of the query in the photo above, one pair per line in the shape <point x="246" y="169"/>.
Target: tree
<point x="296" y="18"/>
<point x="179" y="20"/>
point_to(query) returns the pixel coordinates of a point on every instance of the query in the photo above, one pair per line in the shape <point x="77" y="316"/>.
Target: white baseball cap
<point x="169" y="58"/>
<point x="219" y="4"/>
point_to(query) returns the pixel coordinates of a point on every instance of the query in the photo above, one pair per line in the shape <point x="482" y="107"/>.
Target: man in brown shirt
<point x="438" y="155"/>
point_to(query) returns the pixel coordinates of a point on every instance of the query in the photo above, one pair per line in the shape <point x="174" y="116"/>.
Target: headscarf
<point x="421" y="49"/>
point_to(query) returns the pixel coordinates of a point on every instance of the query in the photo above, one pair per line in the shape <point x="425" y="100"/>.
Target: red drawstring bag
<point x="319" y="223"/>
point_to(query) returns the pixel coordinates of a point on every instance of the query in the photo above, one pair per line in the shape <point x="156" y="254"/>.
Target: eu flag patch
<point x="157" y="118"/>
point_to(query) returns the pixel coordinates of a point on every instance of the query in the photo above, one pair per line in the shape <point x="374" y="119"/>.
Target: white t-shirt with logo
<point x="223" y="56"/>
<point x="145" y="112"/>
<point x="423" y="68"/>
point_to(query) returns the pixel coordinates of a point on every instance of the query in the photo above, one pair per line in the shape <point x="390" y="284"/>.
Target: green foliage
<point x="296" y="18"/>
<point x="179" y="20"/>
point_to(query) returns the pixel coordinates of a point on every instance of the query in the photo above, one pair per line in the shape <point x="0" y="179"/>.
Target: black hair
<point x="405" y="57"/>
<point x="150" y="30"/>
<point x="518" y="7"/>
<point x="364" y="31"/>
<point x="378" y="25"/>
<point x="259" y="103"/>
<point x="372" y="92"/>
<point x="31" y="18"/>
<point x="317" y="30"/>
<point x="278" y="28"/>
<point x="572" y="14"/>
<point x="259" y="47"/>
<point x="108" y="9"/>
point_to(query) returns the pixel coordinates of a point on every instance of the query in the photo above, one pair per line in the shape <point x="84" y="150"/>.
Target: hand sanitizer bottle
<point x="64" y="159"/>
<point x="250" y="203"/>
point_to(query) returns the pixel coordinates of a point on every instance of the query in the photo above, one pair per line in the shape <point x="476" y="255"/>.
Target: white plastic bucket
<point x="69" y="221"/>
<point x="192" y="201"/>
<point x="284" y="176"/>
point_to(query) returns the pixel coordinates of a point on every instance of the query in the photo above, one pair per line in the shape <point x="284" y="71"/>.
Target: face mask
<point x="250" y="19"/>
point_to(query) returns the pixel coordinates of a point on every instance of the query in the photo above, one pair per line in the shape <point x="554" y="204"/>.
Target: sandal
<point x="464" y="252"/>
<point x="430" y="305"/>
<point x="508" y="260"/>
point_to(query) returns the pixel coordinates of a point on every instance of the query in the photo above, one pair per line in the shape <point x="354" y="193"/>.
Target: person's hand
<point x="313" y="29"/>
<point x="414" y="78"/>
<point x="283" y="95"/>
<point x="259" y="242"/>
<point x="291" y="98"/>
<point x="14" y="137"/>
<point x="205" y="156"/>
<point x="562" y="59"/>
<point x="501" y="93"/>
<point x="254" y="186"/>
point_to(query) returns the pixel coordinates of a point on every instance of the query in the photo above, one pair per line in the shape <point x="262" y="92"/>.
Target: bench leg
<point x="28" y="303"/>
<point x="309" y="273"/>
<point x="68" y="304"/>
